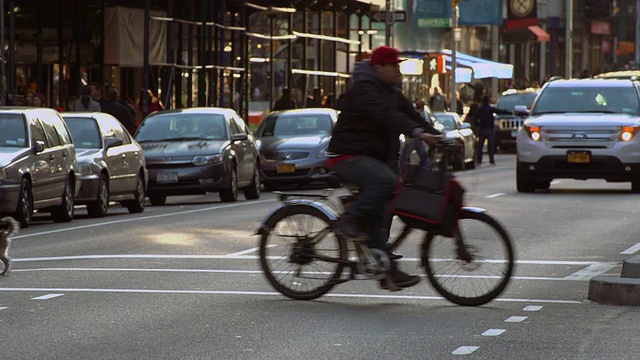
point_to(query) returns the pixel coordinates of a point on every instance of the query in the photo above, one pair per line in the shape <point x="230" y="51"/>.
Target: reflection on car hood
<point x="84" y="155"/>
<point x="181" y="148"/>
<point x="9" y="154"/>
<point x="453" y="134"/>
<point x="273" y="143"/>
<point x="584" y="119"/>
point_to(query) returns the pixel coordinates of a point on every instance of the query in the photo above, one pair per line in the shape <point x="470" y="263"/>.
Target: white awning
<point x="479" y="68"/>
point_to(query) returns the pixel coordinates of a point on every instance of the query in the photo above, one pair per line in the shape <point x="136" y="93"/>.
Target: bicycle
<point x="297" y="236"/>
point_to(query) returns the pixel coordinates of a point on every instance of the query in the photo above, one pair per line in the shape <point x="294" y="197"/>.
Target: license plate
<point x="286" y="168"/>
<point x="578" y="157"/>
<point x="514" y="133"/>
<point x="167" y="178"/>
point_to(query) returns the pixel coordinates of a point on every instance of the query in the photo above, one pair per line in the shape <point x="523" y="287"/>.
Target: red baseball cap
<point x="385" y="55"/>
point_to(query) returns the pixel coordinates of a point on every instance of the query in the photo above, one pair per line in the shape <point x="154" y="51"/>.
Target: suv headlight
<point x="533" y="132"/>
<point x="207" y="159"/>
<point x="628" y="132"/>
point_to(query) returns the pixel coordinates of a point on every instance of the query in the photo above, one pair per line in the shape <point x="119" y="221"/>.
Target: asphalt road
<point x="181" y="281"/>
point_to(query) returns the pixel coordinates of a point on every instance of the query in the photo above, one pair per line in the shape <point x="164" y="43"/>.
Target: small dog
<point x="8" y="227"/>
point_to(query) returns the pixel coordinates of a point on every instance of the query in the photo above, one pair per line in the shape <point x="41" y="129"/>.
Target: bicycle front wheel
<point x="300" y="256"/>
<point x="476" y="272"/>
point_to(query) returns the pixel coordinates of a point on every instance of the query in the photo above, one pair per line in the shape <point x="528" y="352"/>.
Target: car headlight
<point x="207" y="159"/>
<point x="628" y="132"/>
<point x="533" y="132"/>
<point x="85" y="169"/>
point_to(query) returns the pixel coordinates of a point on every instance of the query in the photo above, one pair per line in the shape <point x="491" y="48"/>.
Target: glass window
<point x="115" y="129"/>
<point x="37" y="133"/>
<point x="85" y="132"/>
<point x="447" y="121"/>
<point x="50" y="131"/>
<point x="60" y="127"/>
<point x="298" y="125"/>
<point x="12" y="131"/>
<point x="181" y="127"/>
<point x="508" y="102"/>
<point x="587" y="99"/>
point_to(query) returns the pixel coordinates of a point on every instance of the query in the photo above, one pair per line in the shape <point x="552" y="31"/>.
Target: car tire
<point x="523" y="182"/>
<point x="64" y="211"/>
<point x="157" y="199"/>
<point x="230" y="193"/>
<point x="137" y="204"/>
<point x="100" y="207"/>
<point x="252" y="191"/>
<point x="24" y="211"/>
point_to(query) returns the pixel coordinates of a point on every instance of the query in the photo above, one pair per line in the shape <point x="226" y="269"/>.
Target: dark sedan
<point x="110" y="163"/>
<point x="293" y="146"/>
<point x="199" y="150"/>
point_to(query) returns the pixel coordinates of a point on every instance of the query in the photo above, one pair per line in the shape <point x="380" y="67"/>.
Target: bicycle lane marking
<point x="79" y="227"/>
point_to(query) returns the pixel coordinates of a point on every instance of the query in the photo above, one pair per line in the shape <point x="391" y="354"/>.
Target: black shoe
<point x="348" y="227"/>
<point x="493" y="163"/>
<point x="395" y="256"/>
<point x="397" y="280"/>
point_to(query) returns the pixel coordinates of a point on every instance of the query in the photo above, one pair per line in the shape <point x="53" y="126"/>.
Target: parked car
<point x="199" y="150"/>
<point x="460" y="132"/>
<point x="293" y="144"/>
<point x="110" y="163"/>
<point x="38" y="167"/>
<point x="580" y="129"/>
<point x="507" y="125"/>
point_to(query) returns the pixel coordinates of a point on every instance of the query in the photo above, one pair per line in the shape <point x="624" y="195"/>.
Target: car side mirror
<point x="39" y="147"/>
<point x="112" y="142"/>
<point x="520" y="110"/>
<point x="239" y="137"/>
<point x="465" y="125"/>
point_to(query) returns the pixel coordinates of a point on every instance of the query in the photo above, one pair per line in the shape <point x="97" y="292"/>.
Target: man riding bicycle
<point x="364" y="147"/>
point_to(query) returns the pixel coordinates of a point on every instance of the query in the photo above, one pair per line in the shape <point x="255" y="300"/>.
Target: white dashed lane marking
<point x="494" y="195"/>
<point x="493" y="332"/>
<point x="631" y="250"/>
<point x="516" y="319"/>
<point x="465" y="350"/>
<point x="533" y="308"/>
<point x="3" y="307"/>
<point x="46" y="297"/>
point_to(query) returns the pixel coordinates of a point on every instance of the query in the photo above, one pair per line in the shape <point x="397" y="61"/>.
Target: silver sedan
<point x="293" y="144"/>
<point x="460" y="132"/>
<point x="110" y="162"/>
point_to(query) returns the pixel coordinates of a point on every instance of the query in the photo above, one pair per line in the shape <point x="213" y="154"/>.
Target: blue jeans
<point x="409" y="145"/>
<point x="489" y="135"/>
<point x="376" y="181"/>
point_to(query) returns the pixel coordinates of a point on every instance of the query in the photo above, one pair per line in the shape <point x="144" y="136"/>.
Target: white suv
<point x="581" y="129"/>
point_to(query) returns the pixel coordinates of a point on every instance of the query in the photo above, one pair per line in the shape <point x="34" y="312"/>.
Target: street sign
<point x="434" y="22"/>
<point x="381" y="16"/>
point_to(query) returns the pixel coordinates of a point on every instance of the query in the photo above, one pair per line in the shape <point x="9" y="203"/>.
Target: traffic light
<point x="438" y="63"/>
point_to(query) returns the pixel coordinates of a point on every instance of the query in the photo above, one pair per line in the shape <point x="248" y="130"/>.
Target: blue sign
<point x="480" y="12"/>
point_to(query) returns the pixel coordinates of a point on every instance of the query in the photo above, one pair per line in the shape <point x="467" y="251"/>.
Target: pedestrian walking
<point x="486" y="128"/>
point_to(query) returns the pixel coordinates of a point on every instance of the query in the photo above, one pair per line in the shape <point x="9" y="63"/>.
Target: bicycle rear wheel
<point x="479" y="271"/>
<point x="299" y="255"/>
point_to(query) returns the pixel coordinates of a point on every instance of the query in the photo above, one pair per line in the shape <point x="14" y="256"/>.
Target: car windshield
<point x="85" y="132"/>
<point x="508" y="102"/>
<point x="183" y="127"/>
<point x="590" y="100"/>
<point x="447" y="121"/>
<point x="296" y="125"/>
<point x="12" y="131"/>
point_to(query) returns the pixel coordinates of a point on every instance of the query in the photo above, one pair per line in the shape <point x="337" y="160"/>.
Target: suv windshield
<point x="587" y="99"/>
<point x="508" y="102"/>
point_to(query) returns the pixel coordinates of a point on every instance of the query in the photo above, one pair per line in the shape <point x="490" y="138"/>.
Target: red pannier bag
<point x="429" y="200"/>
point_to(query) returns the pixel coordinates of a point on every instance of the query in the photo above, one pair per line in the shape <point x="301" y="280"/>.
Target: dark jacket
<point x="484" y="116"/>
<point x="119" y="112"/>
<point x="372" y="116"/>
